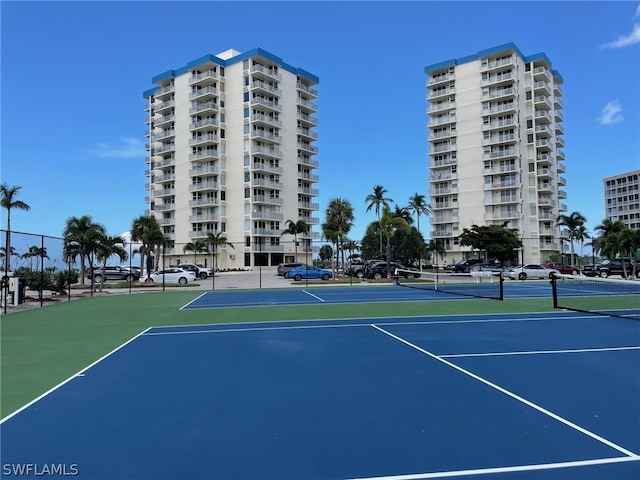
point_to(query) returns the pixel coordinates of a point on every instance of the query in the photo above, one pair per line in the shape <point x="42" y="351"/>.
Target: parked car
<point x="112" y="273"/>
<point x="309" y="272"/>
<point x="171" y="275"/>
<point x="610" y="267"/>
<point x="563" y="268"/>
<point x="523" y="272"/>
<point x="284" y="268"/>
<point x="379" y="270"/>
<point x="355" y="269"/>
<point x="200" y="270"/>
<point x="463" y="266"/>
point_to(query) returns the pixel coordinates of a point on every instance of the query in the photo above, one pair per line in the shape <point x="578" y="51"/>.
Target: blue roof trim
<point x="223" y="63"/>
<point x="490" y="51"/>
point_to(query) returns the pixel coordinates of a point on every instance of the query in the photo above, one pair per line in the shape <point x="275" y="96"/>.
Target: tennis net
<point x="613" y="297"/>
<point x="482" y="284"/>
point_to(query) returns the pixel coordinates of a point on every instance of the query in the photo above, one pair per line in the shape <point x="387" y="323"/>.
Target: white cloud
<point x="611" y="113"/>
<point x="626" y="40"/>
<point x="125" y="148"/>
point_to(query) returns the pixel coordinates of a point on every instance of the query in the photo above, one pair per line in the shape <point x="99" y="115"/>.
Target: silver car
<point x="523" y="272"/>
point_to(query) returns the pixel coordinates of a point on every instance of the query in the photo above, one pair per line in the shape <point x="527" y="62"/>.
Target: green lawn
<point x="42" y="347"/>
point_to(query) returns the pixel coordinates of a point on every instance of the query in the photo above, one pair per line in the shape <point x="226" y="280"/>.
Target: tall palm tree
<point x="436" y="248"/>
<point x="81" y="239"/>
<point x="418" y="205"/>
<point x="216" y="240"/>
<point x="294" y="228"/>
<point x="109" y="245"/>
<point x="572" y="223"/>
<point x="339" y="219"/>
<point x="403" y="212"/>
<point x="199" y="246"/>
<point x="377" y="200"/>
<point x="146" y="230"/>
<point x="389" y="224"/>
<point x="8" y="200"/>
<point x="3" y="256"/>
<point x="607" y="242"/>
<point x="628" y="241"/>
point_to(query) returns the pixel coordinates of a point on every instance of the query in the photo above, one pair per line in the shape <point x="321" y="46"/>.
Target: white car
<point x="171" y="275"/>
<point x="522" y="272"/>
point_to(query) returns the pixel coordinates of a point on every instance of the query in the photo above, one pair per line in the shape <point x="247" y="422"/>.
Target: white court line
<point x="512" y="395"/>
<point x="518" y="468"/>
<point x="539" y="352"/>
<point x="312" y="295"/>
<point x="194" y="300"/>
<point x="79" y="374"/>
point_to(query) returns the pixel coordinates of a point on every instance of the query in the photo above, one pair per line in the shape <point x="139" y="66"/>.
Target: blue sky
<point x="73" y="74"/>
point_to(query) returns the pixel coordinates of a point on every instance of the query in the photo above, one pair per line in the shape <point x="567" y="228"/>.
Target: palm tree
<point x="3" y="256"/>
<point x="419" y="206"/>
<point x="146" y="230"/>
<point x="35" y="252"/>
<point x="572" y="223"/>
<point x="216" y="240"/>
<point x="436" y="248"/>
<point x="8" y="200"/>
<point x="628" y="241"/>
<point x="581" y="235"/>
<point x="338" y="221"/>
<point x="199" y="246"/>
<point x="377" y="200"/>
<point x="81" y="239"/>
<point x="606" y="242"/>
<point x="389" y="224"/>
<point x="403" y="212"/>
<point x="109" y="245"/>
<point x="294" y="228"/>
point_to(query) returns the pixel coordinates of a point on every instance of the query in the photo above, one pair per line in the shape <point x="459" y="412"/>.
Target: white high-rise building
<point x="622" y="198"/>
<point x="231" y="153"/>
<point x="495" y="155"/>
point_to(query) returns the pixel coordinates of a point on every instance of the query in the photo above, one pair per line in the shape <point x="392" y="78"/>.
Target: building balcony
<point x="204" y="217"/>
<point x="442" y="147"/>
<point x="498" y="124"/>
<point x="546" y="201"/>
<point x="266" y="182"/>
<point x="307" y="147"/>
<point x="546" y="187"/>
<point x="448" y="133"/>
<point x="442" y="163"/>
<point x="497" y="93"/>
<point x="307" y="89"/>
<point x="161" y="107"/>
<point x="545" y="172"/>
<point x="164" y="120"/>
<point x="441" y="77"/>
<point x="559" y="129"/>
<point x="441" y="205"/>
<point x="204" y="123"/>
<point x="507" y="152"/>
<point x="501" y="185"/>
<point x="541" y="73"/>
<point x="267" y="168"/>
<point x="165" y="148"/>
<point x="543" y="129"/>
<point x="266" y="151"/>
<point x="164" y="134"/>
<point x="266" y="232"/>
<point x="308" y="176"/>
<point x="554" y="247"/>
<point x="496" y="139"/>
<point x="263" y="134"/>
<point x="308" y="161"/>
<point x="164" y="192"/>
<point x="440" y="120"/>
<point x="497" y="169"/>
<point x="503" y="199"/>
<point x="440" y="233"/>
<point x="164" y="162"/>
<point x="543" y="115"/>
<point x="163" y="207"/>
<point x="269" y="73"/>
<point x="440" y="107"/>
<point x="204" y="78"/>
<point x="307" y="105"/>
<point x="305" y="132"/>
<point x="559" y="142"/>
<point x="204" y="107"/>
<point x="267" y="200"/>
<point x="499" y="78"/>
<point x="505" y="107"/>
<point x="560" y="158"/>
<point x="544" y="143"/>
<point x="541" y="88"/>
<point x="209" y="138"/>
<point x="313" y="192"/>
<point x="193" y="234"/>
<point x="313" y="121"/>
<point x="167" y="177"/>
<point x="166" y="221"/>
<point x="204" y="170"/>
<point x="562" y="181"/>
<point x="164" y="92"/>
<point x="562" y="195"/>
<point x="204" y="202"/>
<point x="303" y="205"/>
<point x="440" y="92"/>
<point x="266" y="104"/>
<point x="209" y="154"/>
<point x="266" y="119"/>
<point x="497" y="64"/>
<point x="441" y="175"/>
<point x="266" y="215"/>
<point x="542" y="101"/>
<point x="204" y="93"/>
<point x="204" y="186"/>
<point x="502" y="215"/>
<point x="264" y="87"/>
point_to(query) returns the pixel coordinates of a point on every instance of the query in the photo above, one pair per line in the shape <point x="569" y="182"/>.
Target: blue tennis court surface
<point x="518" y="396"/>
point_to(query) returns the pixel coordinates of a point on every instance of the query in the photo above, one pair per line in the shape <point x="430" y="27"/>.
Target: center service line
<point x="314" y="296"/>
<point x="513" y="395"/>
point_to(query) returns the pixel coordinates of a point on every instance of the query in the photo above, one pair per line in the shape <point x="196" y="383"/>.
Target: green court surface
<point x="43" y="347"/>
